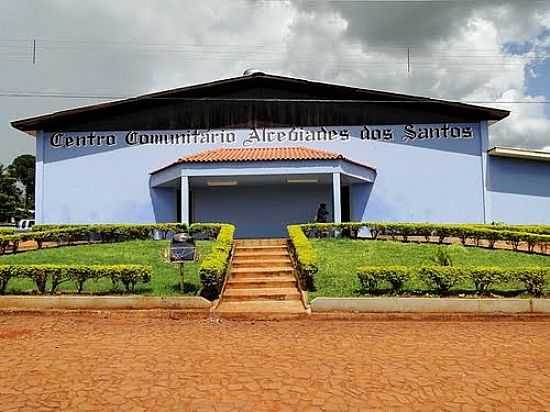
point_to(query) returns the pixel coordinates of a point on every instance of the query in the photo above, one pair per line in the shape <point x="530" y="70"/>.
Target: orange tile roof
<point x="260" y="154"/>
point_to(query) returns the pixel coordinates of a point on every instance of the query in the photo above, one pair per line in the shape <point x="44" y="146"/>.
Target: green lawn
<point x="165" y="278"/>
<point x="340" y="258"/>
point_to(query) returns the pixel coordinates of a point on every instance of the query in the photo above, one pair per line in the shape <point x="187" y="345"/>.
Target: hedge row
<point x="213" y="268"/>
<point x="441" y="232"/>
<point x="132" y="228"/>
<point x="68" y="234"/>
<point x="443" y="278"/>
<point x="6" y="231"/>
<point x="536" y="229"/>
<point x="306" y="258"/>
<point x="138" y="230"/>
<point x="54" y="275"/>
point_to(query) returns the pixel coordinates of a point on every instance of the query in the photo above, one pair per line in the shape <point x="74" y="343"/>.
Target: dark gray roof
<point x="262" y="96"/>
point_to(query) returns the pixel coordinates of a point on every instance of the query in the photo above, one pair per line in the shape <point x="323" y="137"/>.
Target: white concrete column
<point x="336" y="201"/>
<point x="39" y="178"/>
<point x="185" y="218"/>
<point x="484" y="128"/>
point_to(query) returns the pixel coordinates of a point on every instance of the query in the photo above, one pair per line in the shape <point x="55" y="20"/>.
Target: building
<point x="263" y="151"/>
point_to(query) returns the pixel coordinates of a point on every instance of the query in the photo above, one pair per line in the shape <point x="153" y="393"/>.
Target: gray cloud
<point x="127" y="47"/>
<point x="427" y="23"/>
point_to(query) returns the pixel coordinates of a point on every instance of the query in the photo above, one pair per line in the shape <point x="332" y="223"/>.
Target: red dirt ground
<point x="132" y="364"/>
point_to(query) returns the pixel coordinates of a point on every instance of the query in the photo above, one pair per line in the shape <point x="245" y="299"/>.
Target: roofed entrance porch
<point x="261" y="191"/>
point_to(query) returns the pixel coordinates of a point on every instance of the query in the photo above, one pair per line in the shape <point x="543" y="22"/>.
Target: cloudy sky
<point x="490" y="52"/>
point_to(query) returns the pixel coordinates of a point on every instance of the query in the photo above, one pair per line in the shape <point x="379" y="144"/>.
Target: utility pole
<point x="408" y="60"/>
<point x="34" y="51"/>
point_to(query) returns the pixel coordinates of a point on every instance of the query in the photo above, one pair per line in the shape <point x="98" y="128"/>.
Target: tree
<point x="23" y="169"/>
<point x="10" y="195"/>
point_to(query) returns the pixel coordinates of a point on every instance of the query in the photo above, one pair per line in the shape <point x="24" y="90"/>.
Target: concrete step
<point x="272" y="294"/>
<point x="276" y="282"/>
<point x="261" y="249"/>
<point x="261" y="242"/>
<point x="262" y="272"/>
<point x="256" y="275"/>
<point x="260" y="255"/>
<point x="262" y="306"/>
<point x="261" y="263"/>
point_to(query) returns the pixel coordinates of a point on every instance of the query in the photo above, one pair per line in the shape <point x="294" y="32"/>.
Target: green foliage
<point x="10" y="195"/>
<point x="486" y="277"/>
<point x="534" y="279"/>
<point x="371" y="276"/>
<point x="532" y="235"/>
<point x="23" y="169"/>
<point x="340" y="258"/>
<point x="370" y="279"/>
<point x="54" y="275"/>
<point x="114" y="231"/>
<point x="442" y="257"/>
<point x="320" y="230"/>
<point x="306" y="258"/>
<point x="68" y="234"/>
<point x="165" y="275"/>
<point x="5" y="276"/>
<point x="443" y="278"/>
<point x="535" y="229"/>
<point x="213" y="268"/>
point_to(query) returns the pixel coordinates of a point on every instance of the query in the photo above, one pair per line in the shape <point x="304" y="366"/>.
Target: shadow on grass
<point x="188" y="288"/>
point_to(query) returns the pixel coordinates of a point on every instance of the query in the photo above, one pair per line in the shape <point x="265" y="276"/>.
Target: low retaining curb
<point x="191" y="303"/>
<point x="430" y="305"/>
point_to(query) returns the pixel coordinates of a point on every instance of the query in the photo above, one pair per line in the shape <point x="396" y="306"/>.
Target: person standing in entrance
<point x="322" y="213"/>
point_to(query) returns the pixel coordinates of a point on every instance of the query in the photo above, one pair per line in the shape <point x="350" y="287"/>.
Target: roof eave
<point x="340" y="158"/>
<point x="38" y="122"/>
<point x="517" y="153"/>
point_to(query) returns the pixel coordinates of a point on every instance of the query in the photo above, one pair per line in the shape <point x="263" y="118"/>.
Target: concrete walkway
<point x="132" y="364"/>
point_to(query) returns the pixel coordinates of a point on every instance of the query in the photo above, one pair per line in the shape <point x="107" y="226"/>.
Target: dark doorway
<point x="345" y="201"/>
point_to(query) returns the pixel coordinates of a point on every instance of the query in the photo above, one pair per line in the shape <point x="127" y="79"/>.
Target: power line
<point x="413" y="56"/>
<point x="111" y="97"/>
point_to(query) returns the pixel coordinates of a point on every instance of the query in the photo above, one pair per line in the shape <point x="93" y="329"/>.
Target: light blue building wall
<point x="417" y="180"/>
<point x="519" y="190"/>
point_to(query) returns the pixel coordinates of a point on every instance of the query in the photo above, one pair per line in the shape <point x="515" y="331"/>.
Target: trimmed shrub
<point x="11" y="240"/>
<point x="5" y="276"/>
<point x="443" y="278"/>
<point x="396" y="276"/>
<point x="533" y="236"/>
<point x="114" y="232"/>
<point x="442" y="256"/>
<point x="68" y="234"/>
<point x="129" y="276"/>
<point x="4" y="243"/>
<point x="214" y="266"/>
<point x="369" y="278"/>
<point x="7" y="231"/>
<point x="205" y="230"/>
<point x="492" y="236"/>
<point x="534" y="229"/>
<point x="534" y="279"/>
<point x="54" y="275"/>
<point x="486" y="277"/>
<point x="306" y="258"/>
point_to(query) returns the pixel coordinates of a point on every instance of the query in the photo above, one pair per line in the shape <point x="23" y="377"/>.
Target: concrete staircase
<point x="261" y="281"/>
